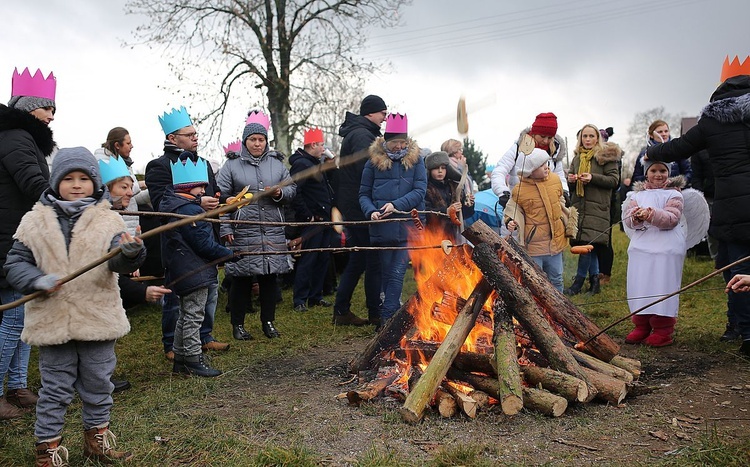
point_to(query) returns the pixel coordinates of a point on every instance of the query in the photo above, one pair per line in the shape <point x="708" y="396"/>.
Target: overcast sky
<point x="586" y="61"/>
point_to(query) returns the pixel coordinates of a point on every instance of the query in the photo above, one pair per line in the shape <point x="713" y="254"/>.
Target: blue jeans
<point x="170" y="311"/>
<point x="552" y="265"/>
<point x="359" y="262"/>
<point x="588" y="265"/>
<point x="738" y="304"/>
<point x="14" y="356"/>
<point x="393" y="265"/>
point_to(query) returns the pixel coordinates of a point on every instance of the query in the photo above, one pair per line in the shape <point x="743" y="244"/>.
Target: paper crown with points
<point x="257" y="116"/>
<point x="234" y="146"/>
<point x="187" y="171"/>
<point x="174" y="120"/>
<point x="313" y="135"/>
<point x="24" y="84"/>
<point x="112" y="168"/>
<point x="735" y="68"/>
<point x="396" y="126"/>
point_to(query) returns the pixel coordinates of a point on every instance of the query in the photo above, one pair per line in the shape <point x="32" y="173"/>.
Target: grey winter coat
<point x="258" y="174"/>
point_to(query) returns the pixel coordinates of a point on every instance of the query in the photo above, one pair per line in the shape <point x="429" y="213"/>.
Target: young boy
<point x="187" y="252"/>
<point x="536" y="211"/>
<point x="75" y="324"/>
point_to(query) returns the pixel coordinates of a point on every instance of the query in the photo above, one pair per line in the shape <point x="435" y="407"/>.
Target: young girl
<point x="440" y="195"/>
<point x="76" y="324"/>
<point x="656" y="253"/>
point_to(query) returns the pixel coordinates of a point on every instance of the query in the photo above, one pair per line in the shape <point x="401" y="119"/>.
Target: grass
<point x="188" y="420"/>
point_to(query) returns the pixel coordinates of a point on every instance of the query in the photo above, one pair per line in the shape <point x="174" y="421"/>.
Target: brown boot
<point x="51" y="454"/>
<point x="349" y="319"/>
<point x="99" y="444"/>
<point x="9" y="411"/>
<point x="23" y="398"/>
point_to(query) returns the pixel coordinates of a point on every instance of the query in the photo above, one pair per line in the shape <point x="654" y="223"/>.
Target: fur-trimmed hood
<point x="729" y="110"/>
<point x="676" y="183"/>
<point x="14" y="119"/>
<point x="610" y="152"/>
<point x="382" y="162"/>
<point x="560" y="149"/>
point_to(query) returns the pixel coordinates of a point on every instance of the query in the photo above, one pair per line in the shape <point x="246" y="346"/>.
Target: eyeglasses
<point x="188" y="135"/>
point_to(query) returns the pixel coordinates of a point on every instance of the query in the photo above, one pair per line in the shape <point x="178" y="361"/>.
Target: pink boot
<point x="641" y="331"/>
<point x="663" y="327"/>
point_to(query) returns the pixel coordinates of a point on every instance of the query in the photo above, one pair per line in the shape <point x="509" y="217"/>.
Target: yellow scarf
<point x="584" y="166"/>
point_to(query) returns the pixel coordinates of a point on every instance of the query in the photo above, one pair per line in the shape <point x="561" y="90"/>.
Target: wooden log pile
<point x="535" y="359"/>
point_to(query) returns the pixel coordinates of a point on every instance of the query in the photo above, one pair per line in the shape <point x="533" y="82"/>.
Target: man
<point x="181" y="136"/>
<point x="358" y="131"/>
<point x="311" y="204"/>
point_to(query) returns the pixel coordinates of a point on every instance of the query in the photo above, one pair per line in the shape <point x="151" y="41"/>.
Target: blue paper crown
<point x="188" y="171"/>
<point x="112" y="168"/>
<point x="174" y="120"/>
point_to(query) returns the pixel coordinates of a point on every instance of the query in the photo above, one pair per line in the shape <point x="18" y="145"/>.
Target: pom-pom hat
<point x="545" y="124"/>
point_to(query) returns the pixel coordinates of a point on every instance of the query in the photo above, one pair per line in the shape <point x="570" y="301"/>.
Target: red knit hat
<point x="544" y="125"/>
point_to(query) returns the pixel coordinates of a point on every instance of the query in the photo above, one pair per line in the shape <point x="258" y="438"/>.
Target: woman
<point x="593" y="175"/>
<point x="25" y="142"/>
<point x="119" y="144"/>
<point x="259" y="169"/>
<point x="394" y="179"/>
<point x="658" y="132"/>
<point x="455" y="150"/>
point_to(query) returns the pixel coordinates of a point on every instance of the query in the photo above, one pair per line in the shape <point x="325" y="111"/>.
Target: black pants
<point x="240" y="295"/>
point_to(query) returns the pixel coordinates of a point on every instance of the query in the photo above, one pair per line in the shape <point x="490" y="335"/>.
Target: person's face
<point x="76" y="185"/>
<point x="589" y="137"/>
<point x="185" y="138"/>
<point x="396" y="145"/>
<point x="661" y="133"/>
<point x="540" y="173"/>
<point x="45" y="114"/>
<point x="377" y="118"/>
<point x="657" y="174"/>
<point x="122" y="188"/>
<point x="198" y="190"/>
<point x="126" y="146"/>
<point x="458" y="155"/>
<point x="541" y="141"/>
<point x="316" y="150"/>
<point x="438" y="173"/>
<point x="256" y="145"/>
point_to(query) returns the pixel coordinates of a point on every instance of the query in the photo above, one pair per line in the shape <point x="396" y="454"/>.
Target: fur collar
<point x="14" y="119"/>
<point x="610" y="152"/>
<point x="729" y="110"/>
<point x="382" y="162"/>
<point x="677" y="182"/>
<point x="560" y="148"/>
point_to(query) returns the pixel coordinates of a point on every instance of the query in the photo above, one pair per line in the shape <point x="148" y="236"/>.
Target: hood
<point x="14" y="119"/>
<point x="245" y="155"/>
<point x="676" y="183"/>
<point x="558" y="152"/>
<point x="382" y="162"/>
<point x="302" y="154"/>
<point x="610" y="152"/>
<point x="353" y="122"/>
<point x="733" y="87"/>
<point x="730" y="110"/>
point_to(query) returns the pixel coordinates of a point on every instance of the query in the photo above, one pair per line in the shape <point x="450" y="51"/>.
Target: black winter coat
<point x="189" y="248"/>
<point x="25" y="141"/>
<point x="159" y="175"/>
<point x="358" y="133"/>
<point x="314" y="194"/>
<point x="703" y="175"/>
<point x="724" y="130"/>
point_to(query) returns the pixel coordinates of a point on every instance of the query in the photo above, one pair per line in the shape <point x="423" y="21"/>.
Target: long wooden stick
<point x="690" y="285"/>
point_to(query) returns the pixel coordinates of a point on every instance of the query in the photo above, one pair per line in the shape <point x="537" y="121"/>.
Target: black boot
<point x="594" y="288"/>
<point x="195" y="365"/>
<point x="575" y="287"/>
<point x="270" y="331"/>
<point x="731" y="334"/>
<point x="239" y="333"/>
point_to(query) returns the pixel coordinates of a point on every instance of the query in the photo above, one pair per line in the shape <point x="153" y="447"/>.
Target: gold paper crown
<point x="735" y="68"/>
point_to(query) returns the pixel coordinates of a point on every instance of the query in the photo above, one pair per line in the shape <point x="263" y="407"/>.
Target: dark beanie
<point x="71" y="159"/>
<point x="253" y="129"/>
<point x="30" y="103"/>
<point x="372" y="104"/>
<point x="544" y="125"/>
<point x="436" y="159"/>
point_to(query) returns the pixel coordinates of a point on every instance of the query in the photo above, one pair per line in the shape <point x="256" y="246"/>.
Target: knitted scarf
<point x="584" y="166"/>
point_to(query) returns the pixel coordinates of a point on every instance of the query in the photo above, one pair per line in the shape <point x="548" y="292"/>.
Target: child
<point x="75" y="325"/>
<point x="188" y="252"/>
<point x="536" y="210"/>
<point x="440" y="194"/>
<point x="656" y="253"/>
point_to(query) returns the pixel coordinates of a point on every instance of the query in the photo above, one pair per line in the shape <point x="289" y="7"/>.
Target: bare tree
<point x="302" y="54"/>
<point x="637" y="134"/>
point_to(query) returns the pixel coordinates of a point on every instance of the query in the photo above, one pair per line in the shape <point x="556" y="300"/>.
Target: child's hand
<point x="129" y="245"/>
<point x="512" y="225"/>
<point x="387" y="209"/>
<point x="209" y="202"/>
<point x="49" y="283"/>
<point x="739" y="283"/>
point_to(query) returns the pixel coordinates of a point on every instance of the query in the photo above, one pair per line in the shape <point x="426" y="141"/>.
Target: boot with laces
<point x="99" y="444"/>
<point x="195" y="365"/>
<point x="51" y="453"/>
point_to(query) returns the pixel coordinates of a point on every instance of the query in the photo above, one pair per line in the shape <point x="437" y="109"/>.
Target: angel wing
<point x="696" y="216"/>
<point x="628" y="230"/>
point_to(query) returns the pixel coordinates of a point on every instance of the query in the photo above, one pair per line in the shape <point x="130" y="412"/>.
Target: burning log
<point x="372" y="390"/>
<point x="569" y="387"/>
<point x="609" y="389"/>
<point x="559" y="307"/>
<point x="425" y="388"/>
<point x="402" y="321"/>
<point x="602" y="367"/>
<point x="445" y="404"/>
<point x="518" y="299"/>
<point x="544" y="402"/>
<point x="506" y="360"/>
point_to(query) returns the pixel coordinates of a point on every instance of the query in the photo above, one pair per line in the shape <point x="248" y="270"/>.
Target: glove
<point x="131" y="249"/>
<point x="566" y="195"/>
<point x="504" y="198"/>
<point x="46" y="282"/>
